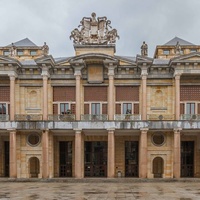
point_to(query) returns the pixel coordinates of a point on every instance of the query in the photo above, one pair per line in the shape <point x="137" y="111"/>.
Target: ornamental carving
<point x="94" y="31"/>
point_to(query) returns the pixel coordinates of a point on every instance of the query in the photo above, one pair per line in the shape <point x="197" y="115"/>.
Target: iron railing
<point x="127" y="117"/>
<point x="67" y="117"/>
<point x="4" y="117"/>
<point x="160" y="117"/>
<point x="31" y="117"/>
<point x="94" y="117"/>
<point x="190" y="117"/>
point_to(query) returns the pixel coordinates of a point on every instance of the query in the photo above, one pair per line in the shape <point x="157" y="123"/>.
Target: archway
<point x="158" y="167"/>
<point x="34" y="166"/>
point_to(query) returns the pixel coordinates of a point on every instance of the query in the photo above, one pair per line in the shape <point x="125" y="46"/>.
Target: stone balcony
<point x="127" y="117"/>
<point x="89" y="117"/>
<point x="190" y="117"/>
<point x="4" y="117"/>
<point x="31" y="117"/>
<point x="67" y="117"/>
<point x="160" y="117"/>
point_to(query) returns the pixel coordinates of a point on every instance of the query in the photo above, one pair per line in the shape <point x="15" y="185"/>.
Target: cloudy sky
<point x="51" y="21"/>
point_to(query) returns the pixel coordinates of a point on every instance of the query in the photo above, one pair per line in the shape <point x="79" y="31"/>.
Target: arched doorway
<point x="158" y="167"/>
<point x="34" y="166"/>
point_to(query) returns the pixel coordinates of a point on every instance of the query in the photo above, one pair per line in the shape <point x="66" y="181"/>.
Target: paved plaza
<point x="100" y="190"/>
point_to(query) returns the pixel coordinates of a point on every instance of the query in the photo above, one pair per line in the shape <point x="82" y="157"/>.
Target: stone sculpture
<point x="45" y="49"/>
<point x="144" y="49"/>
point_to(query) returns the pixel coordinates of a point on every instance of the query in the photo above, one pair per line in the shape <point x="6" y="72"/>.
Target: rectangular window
<point x="193" y="50"/>
<point x="6" y="53"/>
<point x="127" y="108"/>
<point x="95" y="108"/>
<point x="190" y="108"/>
<point x="3" y="109"/>
<point x="20" y="52"/>
<point x="166" y="52"/>
<point x="33" y="52"/>
<point x="64" y="108"/>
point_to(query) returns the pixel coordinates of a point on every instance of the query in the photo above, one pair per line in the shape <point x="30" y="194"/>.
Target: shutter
<point x="8" y="109"/>
<point x="86" y="108"/>
<point x="198" y="108"/>
<point x="182" y="108"/>
<point x="55" y="109"/>
<point x="104" y="109"/>
<point x="73" y="109"/>
<point x="118" y="108"/>
<point x="136" y="109"/>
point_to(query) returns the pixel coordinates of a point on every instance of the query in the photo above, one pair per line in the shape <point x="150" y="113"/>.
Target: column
<point x="13" y="154"/>
<point x="12" y="98"/>
<point x="111" y="153"/>
<point x="177" y="97"/>
<point x="144" y="96"/>
<point x="111" y="97"/>
<point x="45" y="97"/>
<point x="78" y="95"/>
<point x="79" y="151"/>
<point x="45" y="154"/>
<point x="143" y="153"/>
<point x="177" y="153"/>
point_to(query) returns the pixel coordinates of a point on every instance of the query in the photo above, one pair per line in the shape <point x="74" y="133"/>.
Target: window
<point x="95" y="108"/>
<point x="166" y="51"/>
<point x="190" y="108"/>
<point x="33" y="139"/>
<point x="20" y="52"/>
<point x="6" y="53"/>
<point x="193" y="50"/>
<point x="127" y="108"/>
<point x="33" y="52"/>
<point x="64" y="108"/>
<point x="3" y="109"/>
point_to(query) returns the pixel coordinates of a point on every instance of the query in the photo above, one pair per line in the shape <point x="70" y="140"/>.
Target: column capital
<point x="177" y="75"/>
<point x="177" y="130"/>
<point x="11" y="130"/>
<point x="111" y="129"/>
<point x="77" y="130"/>
<point x="144" y="130"/>
<point x="45" y="74"/>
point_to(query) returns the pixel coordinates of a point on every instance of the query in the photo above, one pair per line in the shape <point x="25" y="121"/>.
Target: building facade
<point x="97" y="114"/>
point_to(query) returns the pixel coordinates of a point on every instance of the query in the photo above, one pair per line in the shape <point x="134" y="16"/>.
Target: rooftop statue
<point x="144" y="49"/>
<point x="94" y="31"/>
<point x="45" y="49"/>
<point x="178" y="48"/>
<point x="13" y="50"/>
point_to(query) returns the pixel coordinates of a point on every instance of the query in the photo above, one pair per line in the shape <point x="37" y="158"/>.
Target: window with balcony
<point x="95" y="109"/>
<point x="3" y="110"/>
<point x="190" y="108"/>
<point x="64" y="108"/>
<point x="127" y="108"/>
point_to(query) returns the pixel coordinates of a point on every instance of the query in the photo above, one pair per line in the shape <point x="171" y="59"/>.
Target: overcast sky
<point x="51" y="21"/>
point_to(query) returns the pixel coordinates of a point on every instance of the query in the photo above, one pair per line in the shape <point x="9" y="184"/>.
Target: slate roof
<point x="24" y="43"/>
<point x="28" y="62"/>
<point x="161" y="61"/>
<point x="174" y="41"/>
<point x="129" y="58"/>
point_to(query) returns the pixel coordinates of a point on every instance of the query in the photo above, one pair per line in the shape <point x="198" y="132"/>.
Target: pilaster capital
<point x="45" y="74"/>
<point x="12" y="130"/>
<point x="144" y="130"/>
<point x="45" y="130"/>
<point x="111" y="130"/>
<point x="177" y="75"/>
<point x="77" y="130"/>
<point x="144" y="74"/>
<point x="177" y="130"/>
<point x="12" y="75"/>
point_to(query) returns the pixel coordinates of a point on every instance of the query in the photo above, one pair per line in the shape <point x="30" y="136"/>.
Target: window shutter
<point x="86" y="108"/>
<point x="182" y="108"/>
<point x="118" y="108"/>
<point x="136" y="109"/>
<point x="55" y="109"/>
<point x="73" y="109"/>
<point x="198" y="108"/>
<point x="104" y="109"/>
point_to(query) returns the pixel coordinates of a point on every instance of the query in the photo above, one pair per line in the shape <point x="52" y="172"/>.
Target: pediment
<point x="8" y="60"/>
<point x="187" y="58"/>
<point x="125" y="60"/>
<point x="143" y="59"/>
<point x="45" y="60"/>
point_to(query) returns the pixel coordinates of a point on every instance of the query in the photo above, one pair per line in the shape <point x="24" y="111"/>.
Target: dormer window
<point x="6" y="53"/>
<point x="20" y="52"/>
<point x="166" y="51"/>
<point x="33" y="52"/>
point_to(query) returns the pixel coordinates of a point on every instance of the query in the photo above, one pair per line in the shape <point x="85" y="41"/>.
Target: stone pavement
<point x="152" y="190"/>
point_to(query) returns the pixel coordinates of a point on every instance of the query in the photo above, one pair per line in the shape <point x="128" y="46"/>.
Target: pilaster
<point x="45" y="154"/>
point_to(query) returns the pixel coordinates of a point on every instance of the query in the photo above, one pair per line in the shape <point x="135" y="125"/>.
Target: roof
<point x="129" y="58"/>
<point x="28" y="62"/>
<point x="24" y="43"/>
<point x="161" y="61"/>
<point x="174" y="41"/>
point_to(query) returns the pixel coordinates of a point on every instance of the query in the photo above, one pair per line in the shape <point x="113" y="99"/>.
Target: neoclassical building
<point x="97" y="114"/>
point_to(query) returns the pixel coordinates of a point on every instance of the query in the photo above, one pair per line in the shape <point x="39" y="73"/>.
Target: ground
<point x="102" y="190"/>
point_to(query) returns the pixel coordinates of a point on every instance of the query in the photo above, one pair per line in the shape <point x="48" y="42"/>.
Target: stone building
<point x="97" y="114"/>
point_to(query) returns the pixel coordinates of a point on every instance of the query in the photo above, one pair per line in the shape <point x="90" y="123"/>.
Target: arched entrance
<point x="158" y="167"/>
<point x="34" y="166"/>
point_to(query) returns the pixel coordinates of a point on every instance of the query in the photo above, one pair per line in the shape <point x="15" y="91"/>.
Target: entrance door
<point x="131" y="159"/>
<point x="65" y="159"/>
<point x="187" y="158"/>
<point x="6" y="158"/>
<point x="158" y="166"/>
<point x="95" y="159"/>
<point x="34" y="167"/>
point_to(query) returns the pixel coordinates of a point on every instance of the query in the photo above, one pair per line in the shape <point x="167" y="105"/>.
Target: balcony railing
<point x="160" y="117"/>
<point x="127" y="117"/>
<point x="190" y="117"/>
<point x="4" y="117"/>
<point x="31" y="117"/>
<point x="94" y="117"/>
<point x="66" y="118"/>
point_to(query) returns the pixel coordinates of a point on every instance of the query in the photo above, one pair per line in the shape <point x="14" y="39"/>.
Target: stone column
<point x="144" y="96"/>
<point x="143" y="153"/>
<point x="45" y="97"/>
<point x="12" y="98"/>
<point x="79" y="150"/>
<point x="177" y="153"/>
<point x="13" y="154"/>
<point x="78" y="95"/>
<point x="111" y="153"/>
<point x="45" y="154"/>
<point x="177" y="97"/>
<point x="111" y="102"/>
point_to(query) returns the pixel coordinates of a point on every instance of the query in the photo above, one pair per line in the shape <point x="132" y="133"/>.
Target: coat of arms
<point x="94" y="31"/>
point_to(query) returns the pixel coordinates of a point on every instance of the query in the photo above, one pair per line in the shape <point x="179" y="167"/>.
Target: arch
<point x="158" y="167"/>
<point x="34" y="167"/>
